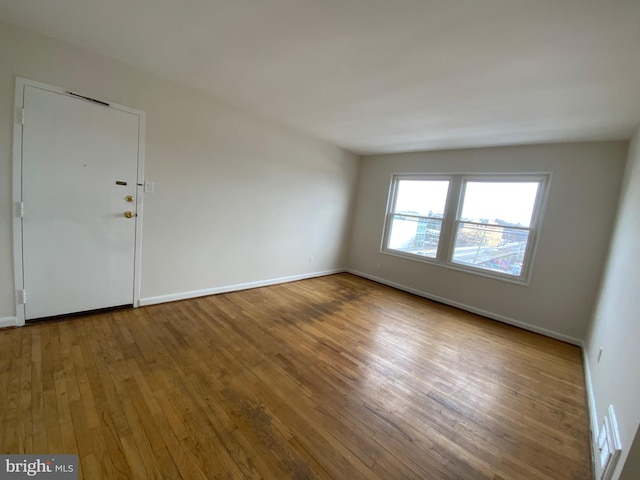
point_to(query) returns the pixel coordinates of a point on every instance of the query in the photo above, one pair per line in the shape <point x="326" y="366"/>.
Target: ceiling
<point x="379" y="76"/>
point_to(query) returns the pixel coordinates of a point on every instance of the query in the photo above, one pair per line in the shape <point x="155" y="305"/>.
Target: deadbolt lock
<point x="129" y="198"/>
<point x="129" y="214"/>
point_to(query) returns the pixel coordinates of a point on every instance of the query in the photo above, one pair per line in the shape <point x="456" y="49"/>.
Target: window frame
<point x="393" y="197"/>
<point x="451" y="220"/>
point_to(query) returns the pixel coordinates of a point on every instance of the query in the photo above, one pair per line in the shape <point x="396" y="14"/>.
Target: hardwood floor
<point x="334" y="377"/>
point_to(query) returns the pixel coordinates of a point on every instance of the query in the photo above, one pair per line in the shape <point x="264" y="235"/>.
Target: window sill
<point x="522" y="281"/>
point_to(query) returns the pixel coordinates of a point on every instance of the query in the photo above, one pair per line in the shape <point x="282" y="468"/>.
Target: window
<point x="416" y="219"/>
<point x="480" y="223"/>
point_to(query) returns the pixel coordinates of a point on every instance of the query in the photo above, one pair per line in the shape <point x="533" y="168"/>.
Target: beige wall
<point x="574" y="239"/>
<point x="616" y="324"/>
<point x="238" y="199"/>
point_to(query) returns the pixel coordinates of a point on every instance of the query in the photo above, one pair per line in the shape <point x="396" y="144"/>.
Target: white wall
<point x="631" y="469"/>
<point x="571" y="251"/>
<point x="238" y="199"/>
<point x="616" y="325"/>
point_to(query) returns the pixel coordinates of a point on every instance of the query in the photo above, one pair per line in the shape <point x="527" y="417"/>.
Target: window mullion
<point x="447" y="237"/>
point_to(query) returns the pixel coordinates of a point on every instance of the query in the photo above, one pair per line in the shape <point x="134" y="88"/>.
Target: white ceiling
<point x="376" y="76"/>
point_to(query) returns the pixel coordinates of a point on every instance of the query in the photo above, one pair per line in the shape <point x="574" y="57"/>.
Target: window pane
<point x="497" y="249"/>
<point x="419" y="236"/>
<point x="422" y="197"/>
<point x="502" y="203"/>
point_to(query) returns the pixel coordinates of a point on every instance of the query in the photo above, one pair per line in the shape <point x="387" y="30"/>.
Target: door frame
<point x="20" y="85"/>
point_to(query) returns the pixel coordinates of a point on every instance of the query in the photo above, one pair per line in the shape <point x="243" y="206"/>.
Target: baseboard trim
<point x="233" y="288"/>
<point x="469" y="308"/>
<point x="593" y="415"/>
<point x="8" y="322"/>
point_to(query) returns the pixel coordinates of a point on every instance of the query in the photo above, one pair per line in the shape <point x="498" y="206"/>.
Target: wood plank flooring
<point x="334" y="377"/>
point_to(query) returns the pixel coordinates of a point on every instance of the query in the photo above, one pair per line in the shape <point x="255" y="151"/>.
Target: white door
<point x="79" y="177"/>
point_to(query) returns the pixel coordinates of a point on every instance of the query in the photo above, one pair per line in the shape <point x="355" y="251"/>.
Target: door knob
<point x="129" y="198"/>
<point x="129" y="214"/>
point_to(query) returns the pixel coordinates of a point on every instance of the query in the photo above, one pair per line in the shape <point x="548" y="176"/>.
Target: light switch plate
<point x="149" y="187"/>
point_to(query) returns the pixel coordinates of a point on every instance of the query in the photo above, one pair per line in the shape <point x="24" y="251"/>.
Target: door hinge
<point x="20" y="209"/>
<point x="20" y="116"/>
<point x="22" y="297"/>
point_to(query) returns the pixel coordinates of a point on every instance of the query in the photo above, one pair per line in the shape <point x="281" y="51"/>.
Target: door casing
<point x="20" y="85"/>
